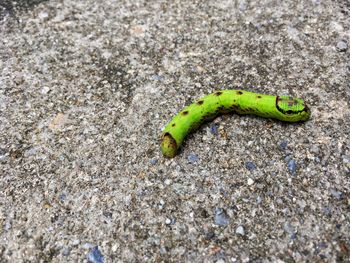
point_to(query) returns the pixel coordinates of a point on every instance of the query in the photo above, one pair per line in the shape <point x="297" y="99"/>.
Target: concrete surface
<point x="87" y="86"/>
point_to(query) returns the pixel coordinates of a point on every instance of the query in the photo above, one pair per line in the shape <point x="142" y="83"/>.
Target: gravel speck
<point x="214" y="129"/>
<point x="250" y="166"/>
<point x="7" y="225"/>
<point x="95" y="256"/>
<point x="288" y="158"/>
<point x="63" y="197"/>
<point x="342" y="46"/>
<point x="322" y="245"/>
<point x="168" y="181"/>
<point x="154" y="161"/>
<point x="283" y="145"/>
<point x="337" y="194"/>
<point x="163" y="250"/>
<point x="240" y="230"/>
<point x="258" y="200"/>
<point x="157" y="77"/>
<point x="170" y="221"/>
<point x="76" y="242"/>
<point x="161" y="204"/>
<point x="288" y="228"/>
<point x="3" y="158"/>
<point x="250" y="181"/>
<point x="43" y="15"/>
<point x="209" y="235"/>
<point x="45" y="90"/>
<point x="66" y="251"/>
<point x="221" y="218"/>
<point x="30" y="152"/>
<point x="314" y="149"/>
<point x="327" y="210"/>
<point x="88" y="246"/>
<point x="292" y="166"/>
<point x="192" y="158"/>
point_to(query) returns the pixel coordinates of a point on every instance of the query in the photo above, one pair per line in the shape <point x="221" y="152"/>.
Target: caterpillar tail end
<point x="168" y="145"/>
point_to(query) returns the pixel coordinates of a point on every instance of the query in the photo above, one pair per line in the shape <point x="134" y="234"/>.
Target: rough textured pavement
<point x="87" y="86"/>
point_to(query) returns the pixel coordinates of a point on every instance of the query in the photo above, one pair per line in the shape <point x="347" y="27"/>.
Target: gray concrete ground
<point x="87" y="86"/>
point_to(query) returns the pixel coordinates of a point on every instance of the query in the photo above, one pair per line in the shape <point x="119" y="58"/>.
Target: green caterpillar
<point x="283" y="108"/>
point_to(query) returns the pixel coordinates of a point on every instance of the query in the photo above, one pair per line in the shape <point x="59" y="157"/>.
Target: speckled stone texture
<point x="86" y="88"/>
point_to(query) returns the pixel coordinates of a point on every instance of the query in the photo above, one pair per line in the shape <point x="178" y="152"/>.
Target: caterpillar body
<point x="284" y="108"/>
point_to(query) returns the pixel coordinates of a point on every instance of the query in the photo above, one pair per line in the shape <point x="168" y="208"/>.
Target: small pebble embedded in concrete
<point x="250" y="166"/>
<point x="63" y="197"/>
<point x="283" y="145"/>
<point x="170" y="221"/>
<point x="292" y="166"/>
<point x="157" y="77"/>
<point x="221" y="218"/>
<point x="314" y="149"/>
<point x="288" y="228"/>
<point x="342" y="46"/>
<point x="192" y="158"/>
<point x="45" y="90"/>
<point x="327" y="210"/>
<point x="250" y="181"/>
<point x="66" y="251"/>
<point x="214" y="129"/>
<point x="240" y="230"/>
<point x="95" y="255"/>
<point x="153" y="161"/>
<point x="258" y="200"/>
<point x="337" y="194"/>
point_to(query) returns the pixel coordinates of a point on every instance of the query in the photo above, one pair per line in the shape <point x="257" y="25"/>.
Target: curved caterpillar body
<point x="284" y="108"/>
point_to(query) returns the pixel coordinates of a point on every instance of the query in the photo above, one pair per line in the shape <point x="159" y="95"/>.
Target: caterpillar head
<point x="292" y="109"/>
